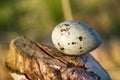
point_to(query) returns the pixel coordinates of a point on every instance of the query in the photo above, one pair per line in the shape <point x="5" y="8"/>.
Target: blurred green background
<point x="36" y="19"/>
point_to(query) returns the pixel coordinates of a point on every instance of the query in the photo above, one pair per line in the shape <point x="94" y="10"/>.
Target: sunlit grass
<point x="67" y="9"/>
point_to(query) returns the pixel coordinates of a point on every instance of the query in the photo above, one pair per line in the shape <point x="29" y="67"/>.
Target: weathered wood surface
<point x="28" y="60"/>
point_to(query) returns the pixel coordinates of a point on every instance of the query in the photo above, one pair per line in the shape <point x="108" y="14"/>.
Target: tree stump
<point x="28" y="60"/>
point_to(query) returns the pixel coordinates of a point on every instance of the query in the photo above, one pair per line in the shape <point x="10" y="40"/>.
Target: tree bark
<point x="28" y="60"/>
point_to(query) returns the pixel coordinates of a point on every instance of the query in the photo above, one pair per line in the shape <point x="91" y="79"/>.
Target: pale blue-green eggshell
<point x="75" y="38"/>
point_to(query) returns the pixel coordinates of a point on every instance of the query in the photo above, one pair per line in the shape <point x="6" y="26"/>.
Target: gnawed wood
<point x="28" y="60"/>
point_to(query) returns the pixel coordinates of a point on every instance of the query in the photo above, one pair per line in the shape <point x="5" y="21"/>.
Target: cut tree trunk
<point x="28" y="60"/>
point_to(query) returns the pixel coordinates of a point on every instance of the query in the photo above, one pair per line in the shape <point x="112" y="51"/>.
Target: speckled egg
<point x="75" y="38"/>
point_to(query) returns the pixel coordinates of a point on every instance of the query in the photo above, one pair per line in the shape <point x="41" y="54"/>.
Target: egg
<point x="75" y="38"/>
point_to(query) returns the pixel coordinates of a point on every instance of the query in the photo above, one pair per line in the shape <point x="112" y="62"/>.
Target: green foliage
<point x="55" y="9"/>
<point x="37" y="18"/>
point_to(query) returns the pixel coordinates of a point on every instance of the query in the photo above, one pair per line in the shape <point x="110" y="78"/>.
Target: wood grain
<point x="28" y="60"/>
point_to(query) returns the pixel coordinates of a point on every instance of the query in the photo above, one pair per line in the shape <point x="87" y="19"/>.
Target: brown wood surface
<point x="28" y="60"/>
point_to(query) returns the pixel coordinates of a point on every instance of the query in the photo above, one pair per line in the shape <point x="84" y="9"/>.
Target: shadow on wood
<point x="28" y="60"/>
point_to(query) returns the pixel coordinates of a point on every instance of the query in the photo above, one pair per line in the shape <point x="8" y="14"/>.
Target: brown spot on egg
<point x="73" y="43"/>
<point x="59" y="44"/>
<point x="80" y="48"/>
<point x="81" y="51"/>
<point x="62" y="48"/>
<point x="68" y="43"/>
<point x="80" y="38"/>
<point x="66" y="24"/>
<point x="66" y="29"/>
<point x="91" y="29"/>
<point x="62" y="30"/>
<point x="79" y="23"/>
